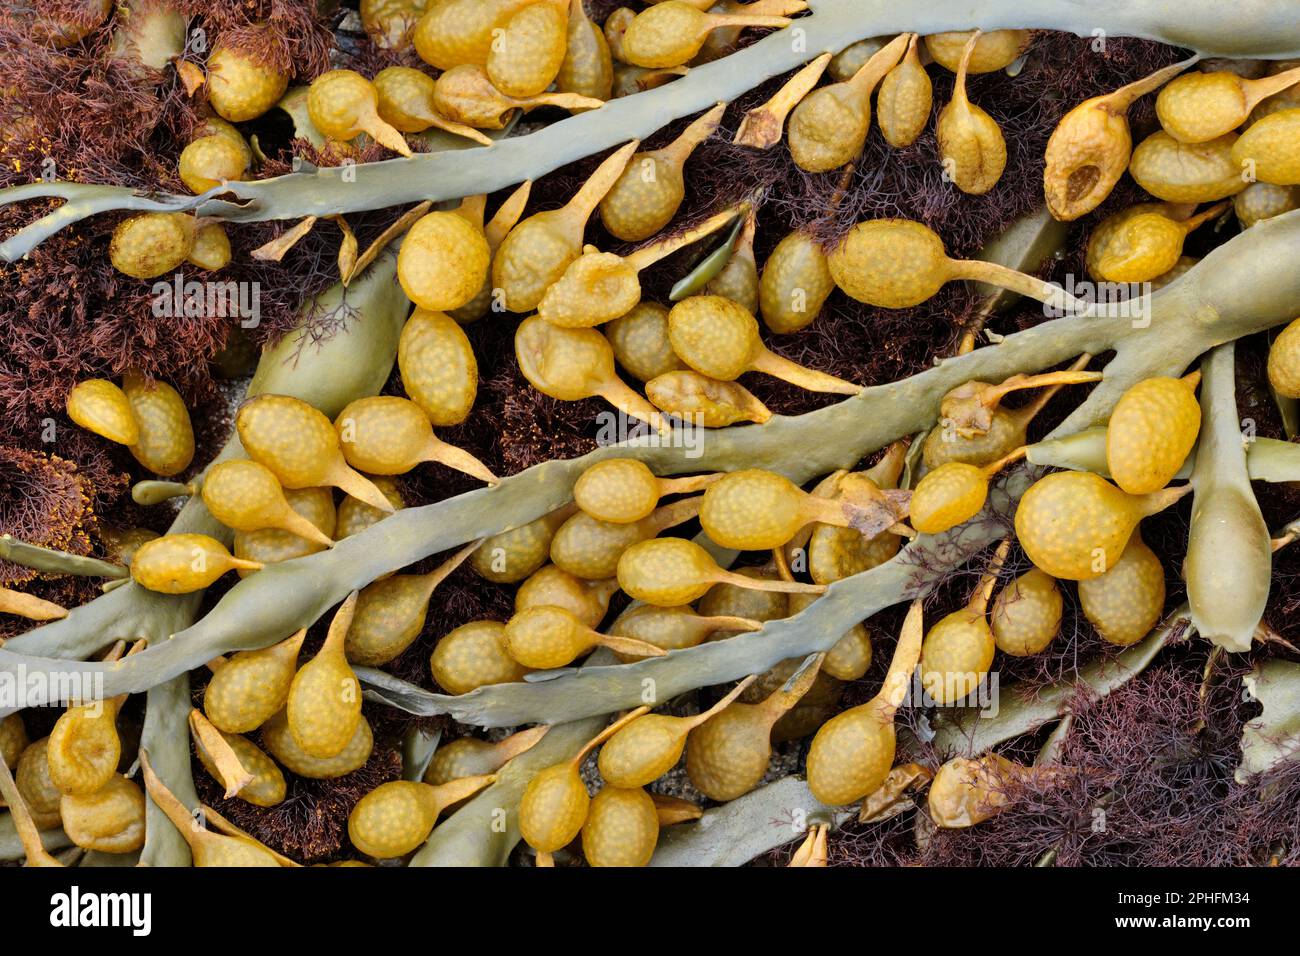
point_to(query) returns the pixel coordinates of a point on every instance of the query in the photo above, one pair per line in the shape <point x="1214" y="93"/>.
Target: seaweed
<point x="1235" y="291"/>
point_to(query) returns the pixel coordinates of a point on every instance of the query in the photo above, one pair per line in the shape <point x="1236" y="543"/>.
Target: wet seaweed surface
<point x="1153" y="781"/>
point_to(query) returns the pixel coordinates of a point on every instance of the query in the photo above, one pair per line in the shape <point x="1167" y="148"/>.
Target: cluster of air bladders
<point x="1227" y="132"/>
